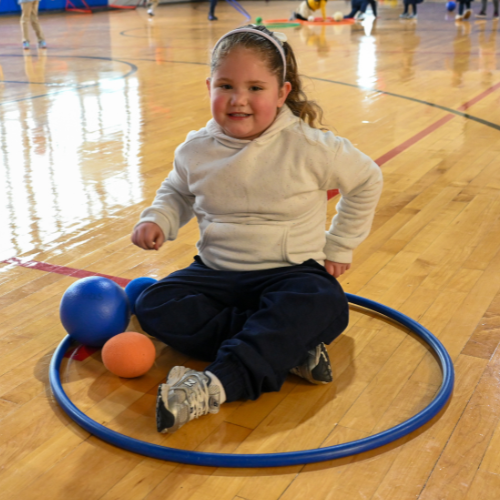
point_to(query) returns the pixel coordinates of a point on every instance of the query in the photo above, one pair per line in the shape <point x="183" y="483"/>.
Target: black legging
<point x="213" y="3"/>
<point x="373" y="5"/>
<point x="413" y="3"/>
<point x="361" y="6"/>
<point x="463" y="4"/>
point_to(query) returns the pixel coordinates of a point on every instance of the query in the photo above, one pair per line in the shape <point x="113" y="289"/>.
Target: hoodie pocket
<point x="243" y="246"/>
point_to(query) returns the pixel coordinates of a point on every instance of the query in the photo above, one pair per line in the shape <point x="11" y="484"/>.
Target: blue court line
<point x="40" y="83"/>
<point x="369" y="89"/>
<point x="413" y="99"/>
<point x="468" y="116"/>
<point x="195" y="63"/>
<point x="360" y="30"/>
<point x="133" y="69"/>
<point x="125" y="33"/>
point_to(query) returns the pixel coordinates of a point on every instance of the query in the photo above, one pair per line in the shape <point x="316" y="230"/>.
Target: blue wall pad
<point x="11" y="6"/>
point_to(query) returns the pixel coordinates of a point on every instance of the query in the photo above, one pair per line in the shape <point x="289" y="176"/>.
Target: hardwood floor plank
<point x="88" y="131"/>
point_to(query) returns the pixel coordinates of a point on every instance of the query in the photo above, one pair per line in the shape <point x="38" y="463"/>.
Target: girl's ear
<point x="208" y="85"/>
<point x="283" y="93"/>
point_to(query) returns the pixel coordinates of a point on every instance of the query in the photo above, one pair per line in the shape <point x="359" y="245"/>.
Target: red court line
<point x="404" y="145"/>
<point x="484" y="94"/>
<point x="412" y="140"/>
<point x="81" y="352"/>
<point x="431" y="128"/>
<point x="67" y="271"/>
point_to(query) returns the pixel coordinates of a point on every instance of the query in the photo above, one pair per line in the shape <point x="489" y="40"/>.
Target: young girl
<point x="261" y="297"/>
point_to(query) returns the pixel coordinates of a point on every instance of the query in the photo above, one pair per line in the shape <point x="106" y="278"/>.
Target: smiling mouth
<point x="239" y="115"/>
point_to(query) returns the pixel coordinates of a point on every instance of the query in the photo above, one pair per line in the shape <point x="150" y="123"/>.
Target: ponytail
<point x="297" y="101"/>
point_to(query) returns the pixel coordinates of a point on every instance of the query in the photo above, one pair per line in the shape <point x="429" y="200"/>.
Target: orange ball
<point x="128" y="354"/>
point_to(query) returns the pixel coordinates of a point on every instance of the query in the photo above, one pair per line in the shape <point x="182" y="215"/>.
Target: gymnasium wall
<point x="12" y="7"/>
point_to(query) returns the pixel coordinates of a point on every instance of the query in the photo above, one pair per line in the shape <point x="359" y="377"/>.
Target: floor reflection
<point x="367" y="62"/>
<point x="461" y="53"/>
<point x="410" y="41"/>
<point x="65" y="159"/>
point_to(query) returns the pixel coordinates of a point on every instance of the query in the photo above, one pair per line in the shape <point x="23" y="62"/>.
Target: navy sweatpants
<point x="254" y="326"/>
<point x="361" y="6"/>
<point x="463" y="5"/>
<point x="413" y="4"/>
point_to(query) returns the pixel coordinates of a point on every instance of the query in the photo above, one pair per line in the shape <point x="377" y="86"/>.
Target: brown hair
<point x="297" y="101"/>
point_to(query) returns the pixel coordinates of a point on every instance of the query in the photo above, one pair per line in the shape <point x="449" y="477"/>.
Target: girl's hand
<point x="148" y="235"/>
<point x="336" y="269"/>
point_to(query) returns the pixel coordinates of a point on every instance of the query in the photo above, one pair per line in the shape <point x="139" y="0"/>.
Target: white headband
<point x="277" y="42"/>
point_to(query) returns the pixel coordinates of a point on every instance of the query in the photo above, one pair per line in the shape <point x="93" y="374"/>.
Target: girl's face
<point x="245" y="95"/>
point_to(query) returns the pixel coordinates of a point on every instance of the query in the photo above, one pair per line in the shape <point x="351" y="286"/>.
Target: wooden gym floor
<point x="87" y="133"/>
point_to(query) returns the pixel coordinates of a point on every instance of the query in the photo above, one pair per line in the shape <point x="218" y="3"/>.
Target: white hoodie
<point x="261" y="203"/>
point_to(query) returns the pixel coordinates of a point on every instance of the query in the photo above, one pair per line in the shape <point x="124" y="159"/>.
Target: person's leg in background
<point x="461" y="9"/>
<point x="152" y="6"/>
<point x="482" y="12"/>
<point x="414" y="7"/>
<point x="355" y="8"/>
<point x="468" y="11"/>
<point x="405" y="14"/>
<point x="211" y="12"/>
<point x="464" y="11"/>
<point x="36" y="24"/>
<point x="26" y="8"/>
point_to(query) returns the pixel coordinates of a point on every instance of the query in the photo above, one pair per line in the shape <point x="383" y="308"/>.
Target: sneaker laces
<point x="199" y="397"/>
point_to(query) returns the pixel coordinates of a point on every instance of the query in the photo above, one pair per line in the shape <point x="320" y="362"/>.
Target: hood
<point x="284" y="119"/>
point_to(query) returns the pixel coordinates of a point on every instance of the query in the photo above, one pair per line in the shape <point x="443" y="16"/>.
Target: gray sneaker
<point x="317" y="368"/>
<point x="186" y="395"/>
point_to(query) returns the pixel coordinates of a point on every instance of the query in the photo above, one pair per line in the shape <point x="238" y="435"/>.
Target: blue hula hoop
<point x="271" y="459"/>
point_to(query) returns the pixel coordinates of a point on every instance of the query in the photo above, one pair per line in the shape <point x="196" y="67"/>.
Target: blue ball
<point x="135" y="288"/>
<point x="450" y="6"/>
<point x="93" y="310"/>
